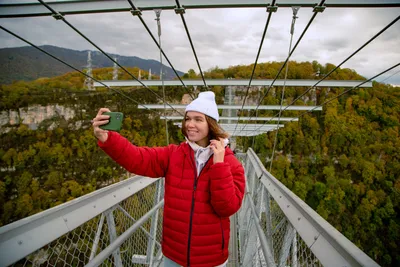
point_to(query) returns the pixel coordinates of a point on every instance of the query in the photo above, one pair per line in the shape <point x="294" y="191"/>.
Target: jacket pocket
<point x="222" y="235"/>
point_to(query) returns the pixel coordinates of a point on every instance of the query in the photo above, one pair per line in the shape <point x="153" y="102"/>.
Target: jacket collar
<point x="190" y="152"/>
<point x="195" y="146"/>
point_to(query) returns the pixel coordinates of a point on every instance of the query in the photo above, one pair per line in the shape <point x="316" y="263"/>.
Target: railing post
<point x="260" y="201"/>
<point x="294" y="249"/>
<point x="102" y="256"/>
<point x="266" y="249"/>
<point x="268" y="221"/>
<point x="233" y="242"/>
<point x="245" y="214"/>
<point x="97" y="238"/>
<point x="243" y="221"/>
<point x="287" y="242"/>
<point x="247" y="163"/>
<point x="112" y="232"/>
<point x="154" y="225"/>
<point x="251" y="240"/>
<point x="249" y="175"/>
<point x="260" y="209"/>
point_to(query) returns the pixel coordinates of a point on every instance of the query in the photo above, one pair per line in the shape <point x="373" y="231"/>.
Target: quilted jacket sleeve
<point x="227" y="185"/>
<point x="151" y="162"/>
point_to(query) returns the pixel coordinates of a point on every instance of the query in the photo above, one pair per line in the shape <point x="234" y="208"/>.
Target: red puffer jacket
<point x="196" y="224"/>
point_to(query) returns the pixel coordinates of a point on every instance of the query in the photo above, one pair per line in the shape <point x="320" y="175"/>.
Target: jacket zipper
<point x="193" y="200"/>
<point x="223" y="239"/>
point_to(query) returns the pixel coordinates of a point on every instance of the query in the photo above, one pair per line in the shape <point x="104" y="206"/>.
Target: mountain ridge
<point x="27" y="63"/>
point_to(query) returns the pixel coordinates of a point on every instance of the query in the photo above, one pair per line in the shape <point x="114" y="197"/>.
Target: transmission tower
<point x="115" y="70"/>
<point x="88" y="81"/>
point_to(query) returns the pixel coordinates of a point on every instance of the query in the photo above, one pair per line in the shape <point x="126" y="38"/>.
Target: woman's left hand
<point x="218" y="147"/>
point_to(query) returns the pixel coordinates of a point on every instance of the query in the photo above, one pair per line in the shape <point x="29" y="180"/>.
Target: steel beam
<point x="112" y="233"/>
<point x="245" y="127"/>
<point x="235" y="82"/>
<point x="250" y="127"/>
<point x="237" y="107"/>
<point x="180" y="118"/>
<point x="85" y="7"/>
<point x="97" y="237"/>
<point x="248" y="134"/>
<point x="246" y="131"/>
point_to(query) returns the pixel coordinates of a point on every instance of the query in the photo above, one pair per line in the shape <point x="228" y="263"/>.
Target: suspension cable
<point x="355" y="87"/>
<point x="158" y="14"/>
<point x="317" y="9"/>
<point x="81" y="72"/>
<point x="270" y="9"/>
<point x="397" y="72"/>
<point x="295" y="10"/>
<point x="136" y="12"/>
<point x="328" y="74"/>
<point x="179" y="10"/>
<point x="59" y="16"/>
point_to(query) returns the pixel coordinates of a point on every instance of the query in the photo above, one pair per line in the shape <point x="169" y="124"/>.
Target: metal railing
<point x="277" y="228"/>
<point x="120" y="225"/>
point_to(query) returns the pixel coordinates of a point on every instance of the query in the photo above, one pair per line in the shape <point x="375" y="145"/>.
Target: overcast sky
<point x="226" y="37"/>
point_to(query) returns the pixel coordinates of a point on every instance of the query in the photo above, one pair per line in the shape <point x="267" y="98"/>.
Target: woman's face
<point x="197" y="128"/>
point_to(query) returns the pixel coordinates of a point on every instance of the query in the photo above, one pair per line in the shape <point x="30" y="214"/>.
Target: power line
<point x="330" y="100"/>
<point x="59" y="16"/>
<point x="72" y="67"/>
<point x="397" y="72"/>
<point x="136" y="12"/>
<point x="329" y="73"/>
<point x="270" y="9"/>
<point x="317" y="9"/>
<point x="345" y="92"/>
<point x="179" y="10"/>
<point x="295" y="10"/>
<point x="158" y="14"/>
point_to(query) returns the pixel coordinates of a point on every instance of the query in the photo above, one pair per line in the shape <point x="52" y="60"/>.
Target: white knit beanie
<point x="205" y="103"/>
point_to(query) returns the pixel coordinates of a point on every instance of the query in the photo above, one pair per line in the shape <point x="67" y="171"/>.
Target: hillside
<point x="28" y="63"/>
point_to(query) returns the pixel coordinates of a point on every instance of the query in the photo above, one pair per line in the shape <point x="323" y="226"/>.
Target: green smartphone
<point x="115" y="121"/>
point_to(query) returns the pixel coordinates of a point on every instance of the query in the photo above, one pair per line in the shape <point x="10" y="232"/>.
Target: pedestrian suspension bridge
<point x="121" y="225"/>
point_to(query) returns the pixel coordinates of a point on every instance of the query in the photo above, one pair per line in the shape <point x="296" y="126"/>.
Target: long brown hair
<point x="215" y="131"/>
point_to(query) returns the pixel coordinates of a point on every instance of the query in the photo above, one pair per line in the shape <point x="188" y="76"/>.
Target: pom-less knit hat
<point x="205" y="103"/>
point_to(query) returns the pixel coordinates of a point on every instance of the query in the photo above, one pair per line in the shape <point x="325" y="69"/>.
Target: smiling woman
<point x="200" y="123"/>
<point x="200" y="194"/>
<point x="196" y="128"/>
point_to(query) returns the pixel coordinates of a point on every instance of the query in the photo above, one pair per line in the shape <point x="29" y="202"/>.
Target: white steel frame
<point x="235" y="82"/>
<point x="93" y="6"/>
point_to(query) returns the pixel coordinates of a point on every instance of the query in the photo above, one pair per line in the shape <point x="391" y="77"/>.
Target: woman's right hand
<point x="100" y="119"/>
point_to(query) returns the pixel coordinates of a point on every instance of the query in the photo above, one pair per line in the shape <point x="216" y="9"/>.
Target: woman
<point x="204" y="183"/>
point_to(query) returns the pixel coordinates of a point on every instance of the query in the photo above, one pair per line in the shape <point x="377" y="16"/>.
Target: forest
<point x="343" y="161"/>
